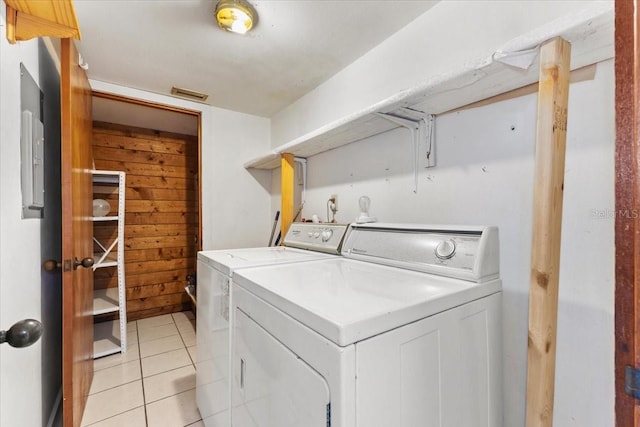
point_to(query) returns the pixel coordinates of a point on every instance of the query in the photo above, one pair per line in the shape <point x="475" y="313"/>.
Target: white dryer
<point x="215" y="270"/>
<point x="403" y="330"/>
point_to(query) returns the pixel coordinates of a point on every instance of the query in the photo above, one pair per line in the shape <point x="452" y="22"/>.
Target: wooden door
<point x="627" y="219"/>
<point x="77" y="284"/>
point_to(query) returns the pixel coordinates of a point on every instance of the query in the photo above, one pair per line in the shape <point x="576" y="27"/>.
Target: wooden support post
<point x="287" y="193"/>
<point x="551" y="135"/>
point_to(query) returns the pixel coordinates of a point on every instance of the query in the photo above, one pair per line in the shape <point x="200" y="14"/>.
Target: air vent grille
<point x="191" y="94"/>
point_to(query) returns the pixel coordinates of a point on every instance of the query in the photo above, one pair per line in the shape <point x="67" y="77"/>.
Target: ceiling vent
<point x="190" y="94"/>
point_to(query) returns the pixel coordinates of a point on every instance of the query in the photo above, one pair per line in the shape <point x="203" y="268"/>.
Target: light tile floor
<point x="153" y="383"/>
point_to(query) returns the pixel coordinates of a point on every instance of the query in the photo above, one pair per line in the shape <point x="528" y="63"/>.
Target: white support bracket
<point x="421" y="129"/>
<point x="303" y="172"/>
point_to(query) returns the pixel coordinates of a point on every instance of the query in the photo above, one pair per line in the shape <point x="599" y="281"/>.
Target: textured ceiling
<point x="156" y="44"/>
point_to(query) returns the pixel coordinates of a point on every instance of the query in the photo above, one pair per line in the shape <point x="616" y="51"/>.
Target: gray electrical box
<point x="31" y="146"/>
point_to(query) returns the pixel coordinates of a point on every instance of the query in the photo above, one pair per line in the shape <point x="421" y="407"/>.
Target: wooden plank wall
<point x="161" y="219"/>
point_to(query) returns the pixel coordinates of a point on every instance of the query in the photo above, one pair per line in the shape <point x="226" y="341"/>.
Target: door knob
<point x="86" y="263"/>
<point x="51" y="265"/>
<point x="22" y="333"/>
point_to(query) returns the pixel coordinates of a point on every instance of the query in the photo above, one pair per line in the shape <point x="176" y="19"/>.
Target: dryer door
<point x="272" y="386"/>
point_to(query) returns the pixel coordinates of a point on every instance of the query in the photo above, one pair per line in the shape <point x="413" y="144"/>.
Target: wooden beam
<point x="12" y="17"/>
<point x="551" y="135"/>
<point x="30" y="19"/>
<point x="287" y="193"/>
<point x="627" y="237"/>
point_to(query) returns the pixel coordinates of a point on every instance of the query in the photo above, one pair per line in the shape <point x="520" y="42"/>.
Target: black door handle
<point x="22" y="333"/>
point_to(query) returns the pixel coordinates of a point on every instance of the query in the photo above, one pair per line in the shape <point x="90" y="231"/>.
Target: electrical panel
<point x="31" y="146"/>
<point x="32" y="157"/>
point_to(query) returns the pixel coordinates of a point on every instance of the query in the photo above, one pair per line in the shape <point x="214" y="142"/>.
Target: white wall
<point x="20" y="369"/>
<point x="451" y="36"/>
<point x="484" y="175"/>
<point x="238" y="200"/>
<point x="235" y="202"/>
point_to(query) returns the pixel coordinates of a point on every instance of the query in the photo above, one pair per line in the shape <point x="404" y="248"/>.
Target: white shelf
<point x="104" y="218"/>
<point x="106" y="177"/>
<point x="591" y="40"/>
<point x="110" y="337"/>
<point x="105" y="301"/>
<point x="106" y="338"/>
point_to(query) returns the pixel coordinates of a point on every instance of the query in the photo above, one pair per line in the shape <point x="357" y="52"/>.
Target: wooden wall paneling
<point x="142" y="143"/>
<point x="144" y="267"/>
<point x="155" y="290"/>
<point x="157" y="311"/>
<point x="156" y="170"/>
<point x="160" y="253"/>
<point x="147" y="279"/>
<point x="161" y="219"/>
<point x="162" y="300"/>
<point x="160" y="182"/>
<point x="146" y="193"/>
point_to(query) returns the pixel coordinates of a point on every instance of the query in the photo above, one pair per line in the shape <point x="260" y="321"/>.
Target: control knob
<point x="446" y="249"/>
<point x="326" y="234"/>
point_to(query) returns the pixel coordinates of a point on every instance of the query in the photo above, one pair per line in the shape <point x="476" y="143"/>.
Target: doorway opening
<point x="158" y="148"/>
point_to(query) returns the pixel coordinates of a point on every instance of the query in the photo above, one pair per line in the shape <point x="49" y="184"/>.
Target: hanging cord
<point x="330" y="208"/>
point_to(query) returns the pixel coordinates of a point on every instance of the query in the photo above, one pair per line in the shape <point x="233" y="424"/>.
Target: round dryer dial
<point x="446" y="249"/>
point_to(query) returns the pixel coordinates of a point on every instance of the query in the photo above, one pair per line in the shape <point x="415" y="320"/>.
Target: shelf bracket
<point x="421" y="129"/>
<point x="303" y="177"/>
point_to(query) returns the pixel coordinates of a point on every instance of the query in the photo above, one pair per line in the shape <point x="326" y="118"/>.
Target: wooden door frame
<point x="627" y="206"/>
<point x="175" y="109"/>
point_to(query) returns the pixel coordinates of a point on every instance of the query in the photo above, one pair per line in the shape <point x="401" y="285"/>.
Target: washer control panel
<point x="317" y="237"/>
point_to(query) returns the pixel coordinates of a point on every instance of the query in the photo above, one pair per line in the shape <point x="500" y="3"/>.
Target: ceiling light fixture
<point x="237" y="16"/>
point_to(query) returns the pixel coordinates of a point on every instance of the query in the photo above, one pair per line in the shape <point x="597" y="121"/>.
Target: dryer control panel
<point x="461" y="252"/>
<point x="316" y="237"/>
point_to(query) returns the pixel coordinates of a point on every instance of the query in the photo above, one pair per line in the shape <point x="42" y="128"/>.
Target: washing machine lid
<point x="349" y="300"/>
<point x="228" y="260"/>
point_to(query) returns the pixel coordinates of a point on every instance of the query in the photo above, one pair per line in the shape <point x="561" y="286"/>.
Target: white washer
<point x="215" y="270"/>
<point x="351" y="342"/>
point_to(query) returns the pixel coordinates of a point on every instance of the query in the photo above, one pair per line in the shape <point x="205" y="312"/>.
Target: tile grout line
<point x="144" y="398"/>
